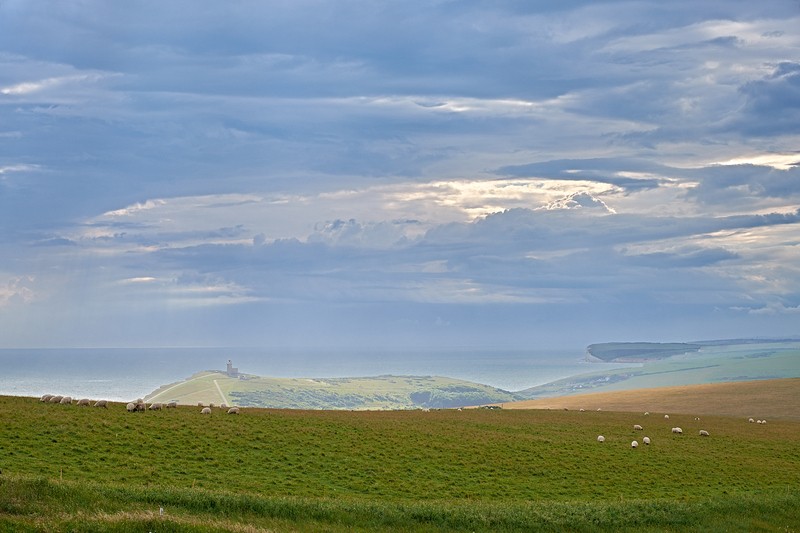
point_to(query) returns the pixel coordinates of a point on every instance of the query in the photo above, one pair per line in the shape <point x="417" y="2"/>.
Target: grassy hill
<point x="762" y="399"/>
<point x="639" y="351"/>
<point x="382" y="392"/>
<point x="68" y="468"/>
<point x="717" y="362"/>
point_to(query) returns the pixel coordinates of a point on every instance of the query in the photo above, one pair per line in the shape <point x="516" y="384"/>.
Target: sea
<point x="122" y="374"/>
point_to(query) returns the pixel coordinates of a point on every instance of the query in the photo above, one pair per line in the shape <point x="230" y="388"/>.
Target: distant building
<point x="232" y="371"/>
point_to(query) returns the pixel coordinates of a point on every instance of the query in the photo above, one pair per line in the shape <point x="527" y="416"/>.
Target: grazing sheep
<point x="131" y="407"/>
<point x="599" y="409"/>
<point x="156" y="406"/>
<point x="637" y="427"/>
<point x="646" y="440"/>
<point x="233" y="411"/>
<point x="66" y="400"/>
<point x="677" y="431"/>
<point x="666" y="417"/>
<point x="223" y="406"/>
<point x="211" y="405"/>
<point x="703" y="433"/>
<point x="205" y="411"/>
<point x="172" y="405"/>
<point x="764" y="421"/>
<point x="101" y="403"/>
<point x="45" y="398"/>
<point x="84" y="401"/>
<point x="601" y="438"/>
<point x="634" y="444"/>
<point x="646" y="413"/>
<point x="581" y="410"/>
<point x="199" y="404"/>
<point x="750" y="420"/>
<point x="140" y="407"/>
<point x="758" y="421"/>
<point x="55" y="399"/>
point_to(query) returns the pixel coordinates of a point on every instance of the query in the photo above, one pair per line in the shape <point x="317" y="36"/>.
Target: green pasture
<point x="380" y="392"/>
<point x="480" y="470"/>
<point x="712" y="364"/>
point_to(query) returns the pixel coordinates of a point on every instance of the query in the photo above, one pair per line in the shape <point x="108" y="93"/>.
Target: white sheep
<point x="131" y="407"/>
<point x="45" y="398"/>
<point x="156" y="406"/>
<point x="750" y="420"/>
<point x="84" y="401"/>
<point x="764" y="421"/>
<point x="233" y="411"/>
<point x="703" y="433"/>
<point x="101" y="403"/>
<point x="646" y="440"/>
<point x="172" y="405"/>
<point x="55" y="399"/>
<point x="677" y="431"/>
<point x="205" y="411"/>
<point x="223" y="406"/>
<point x="758" y="421"/>
<point x="637" y="427"/>
<point x="634" y="444"/>
<point x="581" y="410"/>
<point x="646" y="413"/>
<point x="696" y="418"/>
<point x="666" y="417"/>
<point x="66" y="400"/>
<point x="199" y="404"/>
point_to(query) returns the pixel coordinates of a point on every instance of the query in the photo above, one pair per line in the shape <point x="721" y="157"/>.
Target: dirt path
<point x="225" y="401"/>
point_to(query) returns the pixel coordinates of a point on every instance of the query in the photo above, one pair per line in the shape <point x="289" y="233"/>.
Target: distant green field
<point x="717" y="363"/>
<point x="381" y="392"/>
<point x="614" y="351"/>
<point x="69" y="468"/>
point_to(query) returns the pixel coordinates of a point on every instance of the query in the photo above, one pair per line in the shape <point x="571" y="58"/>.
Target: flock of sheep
<point x="64" y="400"/>
<point x="675" y="430"/>
<point x="133" y="407"/>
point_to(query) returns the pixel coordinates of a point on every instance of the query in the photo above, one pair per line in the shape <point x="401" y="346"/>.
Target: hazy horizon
<point x="408" y="175"/>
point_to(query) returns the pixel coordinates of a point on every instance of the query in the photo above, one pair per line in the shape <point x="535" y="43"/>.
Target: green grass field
<point x="68" y="468"/>
<point x="380" y="392"/>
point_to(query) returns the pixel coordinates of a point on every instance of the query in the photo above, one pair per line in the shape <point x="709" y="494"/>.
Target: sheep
<point x="199" y="404"/>
<point x="703" y="433"/>
<point x="666" y="417"/>
<point x="66" y="400"/>
<point x="646" y="413"/>
<point x="45" y="398"/>
<point x="211" y="405"/>
<point x="55" y="399"/>
<point x="156" y="406"/>
<point x="223" y="406"/>
<point x="131" y="407"/>
<point x="750" y="420"/>
<point x="646" y="440"/>
<point x="233" y="411"/>
<point x="634" y="444"/>
<point x="637" y="427"/>
<point x="84" y="402"/>
<point x="764" y="421"/>
<point x="205" y="411"/>
<point x="696" y="418"/>
<point x="677" y="431"/>
<point x="582" y="410"/>
<point x="101" y="403"/>
<point x="758" y="421"/>
<point x="601" y="438"/>
<point x="172" y="405"/>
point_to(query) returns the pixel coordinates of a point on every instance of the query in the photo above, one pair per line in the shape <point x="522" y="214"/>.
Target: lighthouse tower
<point x="231" y="370"/>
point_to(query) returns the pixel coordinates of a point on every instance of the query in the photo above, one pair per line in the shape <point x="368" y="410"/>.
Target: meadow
<point x="68" y="468"/>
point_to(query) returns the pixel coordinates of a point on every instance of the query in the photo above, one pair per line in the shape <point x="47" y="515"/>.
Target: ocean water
<point x="121" y="374"/>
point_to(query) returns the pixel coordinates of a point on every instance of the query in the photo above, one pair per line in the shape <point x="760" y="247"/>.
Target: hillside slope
<point x="381" y="392"/>
<point x="761" y="399"/>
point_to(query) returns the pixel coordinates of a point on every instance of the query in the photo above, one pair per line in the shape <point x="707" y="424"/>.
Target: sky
<point x="398" y="174"/>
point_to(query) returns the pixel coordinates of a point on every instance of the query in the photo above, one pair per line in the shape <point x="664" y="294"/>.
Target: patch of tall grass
<point x="38" y="504"/>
